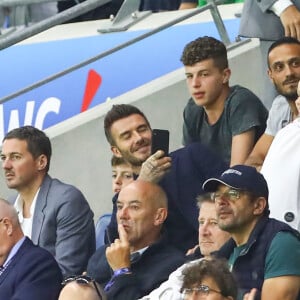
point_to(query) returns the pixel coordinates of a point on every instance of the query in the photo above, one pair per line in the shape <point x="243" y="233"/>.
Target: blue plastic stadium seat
<point x="101" y="225"/>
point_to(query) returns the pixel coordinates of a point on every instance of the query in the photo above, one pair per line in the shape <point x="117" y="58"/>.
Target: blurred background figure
<point x="186" y="4"/>
<point x="22" y="15"/>
<point x="101" y="12"/>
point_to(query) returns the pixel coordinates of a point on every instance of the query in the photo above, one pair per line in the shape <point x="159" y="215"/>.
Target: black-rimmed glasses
<point x="83" y="279"/>
<point x="201" y="290"/>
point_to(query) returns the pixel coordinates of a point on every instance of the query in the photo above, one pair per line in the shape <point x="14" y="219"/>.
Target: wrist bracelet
<point x="116" y="273"/>
<point x="121" y="272"/>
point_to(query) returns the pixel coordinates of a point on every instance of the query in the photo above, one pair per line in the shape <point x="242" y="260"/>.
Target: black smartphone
<point x="160" y="140"/>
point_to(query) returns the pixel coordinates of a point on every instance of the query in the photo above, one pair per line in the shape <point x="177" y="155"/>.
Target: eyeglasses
<point x="201" y="290"/>
<point x="83" y="279"/>
<point x="230" y="195"/>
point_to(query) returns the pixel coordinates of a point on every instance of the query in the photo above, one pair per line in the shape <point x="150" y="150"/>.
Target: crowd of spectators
<point x="215" y="219"/>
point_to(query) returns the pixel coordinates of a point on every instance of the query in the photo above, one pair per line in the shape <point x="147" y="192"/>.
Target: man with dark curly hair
<point x="229" y="120"/>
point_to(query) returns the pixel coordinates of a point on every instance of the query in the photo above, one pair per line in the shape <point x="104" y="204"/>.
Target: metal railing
<point x="84" y="7"/>
<point x="64" y="16"/>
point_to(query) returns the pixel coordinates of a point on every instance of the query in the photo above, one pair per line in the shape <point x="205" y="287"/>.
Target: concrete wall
<point x="81" y="155"/>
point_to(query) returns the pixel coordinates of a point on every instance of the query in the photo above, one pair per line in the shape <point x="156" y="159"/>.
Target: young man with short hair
<point x="229" y="120"/>
<point x="284" y="72"/>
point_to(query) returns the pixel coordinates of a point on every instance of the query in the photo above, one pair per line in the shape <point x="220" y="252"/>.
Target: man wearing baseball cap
<point x="263" y="253"/>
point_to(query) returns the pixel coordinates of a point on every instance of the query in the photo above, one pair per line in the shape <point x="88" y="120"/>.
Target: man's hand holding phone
<point x="159" y="163"/>
<point x="155" y="167"/>
<point x="160" y="141"/>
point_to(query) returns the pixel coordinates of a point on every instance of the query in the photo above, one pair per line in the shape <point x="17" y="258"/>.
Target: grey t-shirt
<point x="242" y="111"/>
<point x="279" y="115"/>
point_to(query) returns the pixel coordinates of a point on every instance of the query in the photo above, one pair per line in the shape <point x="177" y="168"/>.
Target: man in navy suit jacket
<point x="55" y="215"/>
<point x="27" y="271"/>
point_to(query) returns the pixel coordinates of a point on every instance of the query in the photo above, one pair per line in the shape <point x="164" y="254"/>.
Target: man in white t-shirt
<point x="284" y="72"/>
<point x="281" y="169"/>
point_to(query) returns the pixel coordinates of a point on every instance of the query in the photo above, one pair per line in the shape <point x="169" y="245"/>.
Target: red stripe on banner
<point x="93" y="83"/>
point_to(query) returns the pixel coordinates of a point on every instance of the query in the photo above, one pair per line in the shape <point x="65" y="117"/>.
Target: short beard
<point x="291" y="96"/>
<point x="131" y="160"/>
<point x="135" y="162"/>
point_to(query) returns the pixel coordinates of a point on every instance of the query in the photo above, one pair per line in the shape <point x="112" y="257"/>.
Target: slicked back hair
<point x="117" y="112"/>
<point x="38" y="142"/>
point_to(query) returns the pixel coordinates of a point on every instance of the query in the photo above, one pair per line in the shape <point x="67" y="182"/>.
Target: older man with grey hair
<point x="26" y="271"/>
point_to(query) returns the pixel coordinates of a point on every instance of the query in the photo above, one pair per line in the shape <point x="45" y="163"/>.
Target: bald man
<point x="211" y="238"/>
<point x="81" y="291"/>
<point x="26" y="271"/>
<point x="141" y="258"/>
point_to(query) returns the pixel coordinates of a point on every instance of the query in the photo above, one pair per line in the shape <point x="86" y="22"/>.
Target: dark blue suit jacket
<point x="33" y="274"/>
<point x="151" y="269"/>
<point x="191" y="166"/>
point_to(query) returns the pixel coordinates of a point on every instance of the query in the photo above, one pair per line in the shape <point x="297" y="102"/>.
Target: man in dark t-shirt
<point x="229" y="120"/>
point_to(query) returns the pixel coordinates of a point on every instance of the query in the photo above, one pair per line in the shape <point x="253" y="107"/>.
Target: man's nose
<point x="118" y="180"/>
<point x="193" y="296"/>
<point x="196" y="81"/>
<point x="221" y="201"/>
<point x="124" y="213"/>
<point x="6" y="163"/>
<point x="137" y="137"/>
<point x="203" y="229"/>
<point x="289" y="70"/>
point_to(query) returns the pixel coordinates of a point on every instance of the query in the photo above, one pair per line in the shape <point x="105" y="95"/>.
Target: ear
<point x="260" y="204"/>
<point x="226" y="75"/>
<point x="42" y="162"/>
<point x="8" y="226"/>
<point x="160" y="216"/>
<point x="270" y="75"/>
<point x="115" y="151"/>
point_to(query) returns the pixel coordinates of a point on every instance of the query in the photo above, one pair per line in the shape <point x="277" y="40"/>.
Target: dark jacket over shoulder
<point x="32" y="274"/>
<point x="148" y="272"/>
<point x="249" y="267"/>
<point x="191" y="166"/>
